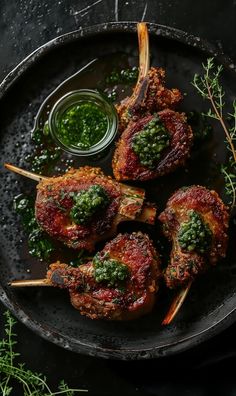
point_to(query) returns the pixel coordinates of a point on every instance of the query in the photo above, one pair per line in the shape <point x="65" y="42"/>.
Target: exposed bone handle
<point x="30" y="283"/>
<point x="23" y="172"/>
<point x="176" y="304"/>
<point x="144" y="53"/>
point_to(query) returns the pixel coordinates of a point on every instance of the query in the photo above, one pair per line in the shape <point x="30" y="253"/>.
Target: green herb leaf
<point x="209" y="87"/>
<point x="33" y="384"/>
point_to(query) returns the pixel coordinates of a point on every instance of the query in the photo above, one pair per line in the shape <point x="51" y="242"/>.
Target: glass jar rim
<point x="73" y="97"/>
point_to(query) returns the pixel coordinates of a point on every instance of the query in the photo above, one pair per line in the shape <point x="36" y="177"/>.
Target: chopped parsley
<point x="109" y="270"/>
<point x="194" y="234"/>
<point x="87" y="203"/>
<point x="149" y="143"/>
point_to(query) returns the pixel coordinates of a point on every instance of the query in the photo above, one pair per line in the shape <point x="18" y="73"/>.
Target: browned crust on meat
<point x="213" y="211"/>
<point x="53" y="204"/>
<point x="152" y="96"/>
<point x="96" y="300"/>
<point x="126" y="164"/>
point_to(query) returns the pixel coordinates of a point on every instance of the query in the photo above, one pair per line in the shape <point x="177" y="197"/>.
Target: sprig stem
<point x="33" y="384"/>
<point x="209" y="87"/>
<point x="221" y="120"/>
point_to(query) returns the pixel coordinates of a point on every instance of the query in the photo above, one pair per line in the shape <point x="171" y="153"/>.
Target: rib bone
<point x="176" y="304"/>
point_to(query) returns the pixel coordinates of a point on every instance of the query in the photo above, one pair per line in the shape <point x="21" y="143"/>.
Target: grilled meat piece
<point x="150" y="95"/>
<point x="196" y="220"/>
<point x="125" y="299"/>
<point x="127" y="164"/>
<point x="84" y="206"/>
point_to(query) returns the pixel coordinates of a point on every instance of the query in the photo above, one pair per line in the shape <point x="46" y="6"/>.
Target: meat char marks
<point x="123" y="300"/>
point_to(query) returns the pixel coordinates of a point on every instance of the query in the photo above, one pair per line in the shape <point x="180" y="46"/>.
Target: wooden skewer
<point x="176" y="304"/>
<point x="23" y="172"/>
<point x="30" y="283"/>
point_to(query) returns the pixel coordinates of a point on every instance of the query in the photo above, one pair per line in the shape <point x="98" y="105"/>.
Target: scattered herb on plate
<point x="44" y="153"/>
<point x="40" y="245"/>
<point x="124" y="76"/>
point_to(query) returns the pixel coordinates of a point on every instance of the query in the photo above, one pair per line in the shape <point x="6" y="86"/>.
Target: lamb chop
<point x="150" y="94"/>
<point x="196" y="220"/>
<point x="155" y="140"/>
<point x="84" y="206"/>
<point x="119" y="284"/>
<point x="153" y="146"/>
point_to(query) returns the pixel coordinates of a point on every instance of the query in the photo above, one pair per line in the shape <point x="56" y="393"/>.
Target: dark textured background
<point x="207" y="369"/>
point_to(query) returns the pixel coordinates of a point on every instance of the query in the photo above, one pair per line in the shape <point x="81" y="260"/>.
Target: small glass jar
<point x="77" y="98"/>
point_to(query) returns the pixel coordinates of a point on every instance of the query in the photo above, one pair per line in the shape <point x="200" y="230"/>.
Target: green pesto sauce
<point x="108" y="270"/>
<point x="149" y="143"/>
<point x="194" y="235"/>
<point x="40" y="245"/>
<point x="82" y="125"/>
<point x="87" y="203"/>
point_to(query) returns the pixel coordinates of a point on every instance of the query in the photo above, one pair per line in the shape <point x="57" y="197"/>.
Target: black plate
<point x="210" y="306"/>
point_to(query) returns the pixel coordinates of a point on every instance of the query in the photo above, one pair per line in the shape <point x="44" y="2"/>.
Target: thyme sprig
<point x="209" y="87"/>
<point x="33" y="384"/>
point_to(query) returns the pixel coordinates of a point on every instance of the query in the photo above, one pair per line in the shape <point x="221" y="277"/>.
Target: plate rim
<point x="43" y="331"/>
<point x="119" y="27"/>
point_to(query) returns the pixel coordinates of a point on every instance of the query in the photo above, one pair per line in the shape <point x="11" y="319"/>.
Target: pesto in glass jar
<point x="82" y="125"/>
<point x="83" y="122"/>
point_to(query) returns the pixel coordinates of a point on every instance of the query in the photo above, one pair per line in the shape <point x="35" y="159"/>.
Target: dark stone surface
<point x="205" y="370"/>
<point x="27" y="24"/>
